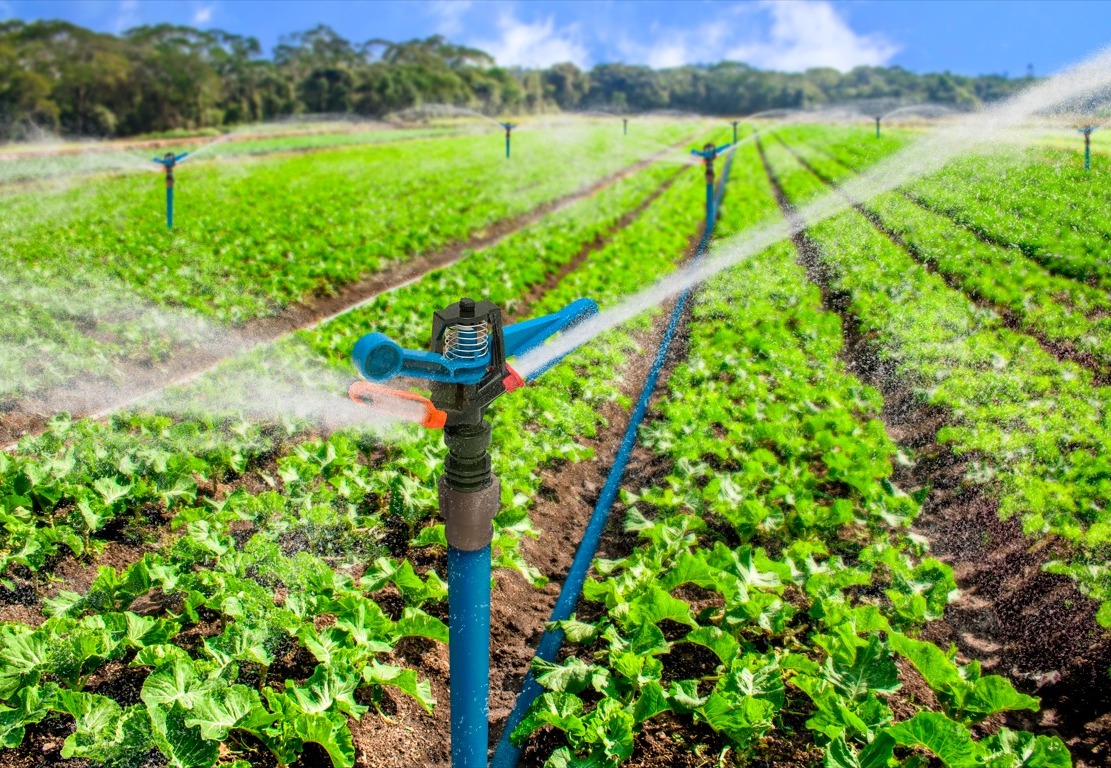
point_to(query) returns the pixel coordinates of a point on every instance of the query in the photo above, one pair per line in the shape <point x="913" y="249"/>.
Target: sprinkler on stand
<point x="624" y="126"/>
<point x="1087" y="133"/>
<point x="168" y="161"/>
<point x="734" y="123"/>
<point x="508" y="130"/>
<point x="878" y="118"/>
<point x="467" y="370"/>
<point x="709" y="154"/>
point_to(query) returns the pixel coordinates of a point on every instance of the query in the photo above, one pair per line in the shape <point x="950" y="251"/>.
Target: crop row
<point x="1040" y="201"/>
<point x="775" y="590"/>
<point x="1072" y="315"/>
<point x="261" y="573"/>
<point x="243" y="250"/>
<point x="1033" y="428"/>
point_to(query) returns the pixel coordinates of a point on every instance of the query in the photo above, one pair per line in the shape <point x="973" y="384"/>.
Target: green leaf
<point x="654" y="606"/>
<point x="404" y="680"/>
<point x="1018" y="749"/>
<point x="416" y="623"/>
<point x="331" y="685"/>
<point x="236" y="706"/>
<point x="950" y="741"/>
<point x="560" y="710"/>
<point x="877" y="754"/>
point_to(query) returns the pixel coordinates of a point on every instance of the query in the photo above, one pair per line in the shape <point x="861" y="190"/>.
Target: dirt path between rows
<point x="1019" y="621"/>
<point x="30" y="415"/>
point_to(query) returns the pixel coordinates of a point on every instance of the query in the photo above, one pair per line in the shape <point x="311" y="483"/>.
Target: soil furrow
<point x="1019" y="621"/>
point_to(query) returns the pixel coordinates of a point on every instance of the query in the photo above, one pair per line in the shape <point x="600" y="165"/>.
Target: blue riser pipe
<point x="468" y="577"/>
<point x="1087" y="156"/>
<point x="507" y="147"/>
<point x="169" y="208"/>
<point x="507" y="755"/>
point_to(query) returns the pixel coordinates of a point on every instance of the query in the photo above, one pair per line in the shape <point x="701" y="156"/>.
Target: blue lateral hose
<point x="468" y="576"/>
<point x="507" y="755"/>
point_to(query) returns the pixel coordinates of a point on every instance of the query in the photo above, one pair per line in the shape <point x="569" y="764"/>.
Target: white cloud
<point x="449" y="15"/>
<point x="203" y="14"/>
<point x="790" y="35"/>
<point x="810" y="34"/>
<point x="127" y="15"/>
<point x="539" y="44"/>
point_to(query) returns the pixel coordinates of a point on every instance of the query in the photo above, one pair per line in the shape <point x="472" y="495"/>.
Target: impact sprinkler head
<point x="466" y="364"/>
<point x="1086" y="132"/>
<point x="508" y="130"/>
<point x="168" y="161"/>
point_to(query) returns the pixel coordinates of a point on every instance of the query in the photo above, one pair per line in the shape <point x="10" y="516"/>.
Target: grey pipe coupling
<point x="469" y="515"/>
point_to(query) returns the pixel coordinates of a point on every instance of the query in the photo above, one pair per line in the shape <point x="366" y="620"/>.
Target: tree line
<point x="60" y="77"/>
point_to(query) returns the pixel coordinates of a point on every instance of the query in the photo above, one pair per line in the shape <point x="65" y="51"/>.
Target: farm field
<point x="865" y="523"/>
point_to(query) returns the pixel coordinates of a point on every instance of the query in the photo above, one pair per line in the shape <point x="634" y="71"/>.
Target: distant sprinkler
<point x="508" y="130"/>
<point x="168" y="161"/>
<point x="709" y="153"/>
<point x="734" y="123"/>
<point x="624" y="126"/>
<point x="878" y="118"/>
<point x="1087" y="133"/>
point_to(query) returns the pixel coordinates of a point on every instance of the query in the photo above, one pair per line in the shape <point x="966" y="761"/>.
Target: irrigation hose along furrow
<point x="507" y="755"/>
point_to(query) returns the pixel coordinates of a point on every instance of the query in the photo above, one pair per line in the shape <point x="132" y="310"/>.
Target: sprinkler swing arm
<point x="468" y="370"/>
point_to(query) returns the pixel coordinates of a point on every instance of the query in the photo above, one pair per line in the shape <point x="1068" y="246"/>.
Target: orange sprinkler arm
<point x="397" y="403"/>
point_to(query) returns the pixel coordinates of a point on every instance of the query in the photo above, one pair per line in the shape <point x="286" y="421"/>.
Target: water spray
<point x="1086" y="131"/>
<point x="467" y="370"/>
<point x="168" y="161"/>
<point x="508" y="130"/>
<point x="709" y="153"/>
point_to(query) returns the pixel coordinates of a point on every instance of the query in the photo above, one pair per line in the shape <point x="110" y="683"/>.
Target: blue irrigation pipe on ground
<point x="468" y="576"/>
<point x="507" y="755"/>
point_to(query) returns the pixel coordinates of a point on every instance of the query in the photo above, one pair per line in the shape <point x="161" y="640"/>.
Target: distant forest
<point x="60" y="77"/>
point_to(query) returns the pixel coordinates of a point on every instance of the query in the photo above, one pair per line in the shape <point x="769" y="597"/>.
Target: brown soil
<point x="29" y="416"/>
<point x="1019" y="621"/>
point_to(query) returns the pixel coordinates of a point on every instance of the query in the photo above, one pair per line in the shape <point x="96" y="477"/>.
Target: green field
<point x="860" y="435"/>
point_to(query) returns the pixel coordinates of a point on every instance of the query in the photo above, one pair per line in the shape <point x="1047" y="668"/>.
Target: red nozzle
<point x="385" y="400"/>
<point x="513" y="381"/>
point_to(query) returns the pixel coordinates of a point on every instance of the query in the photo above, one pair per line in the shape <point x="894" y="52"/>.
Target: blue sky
<point x="964" y="36"/>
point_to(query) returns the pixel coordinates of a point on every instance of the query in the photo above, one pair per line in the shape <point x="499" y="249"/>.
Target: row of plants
<point x="1032" y="428"/>
<point x="1068" y="313"/>
<point x="257" y="588"/>
<point x="775" y="592"/>
<point x="35" y="164"/>
<point x="241" y="250"/>
<point x="58" y="491"/>
<point x="1037" y="199"/>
